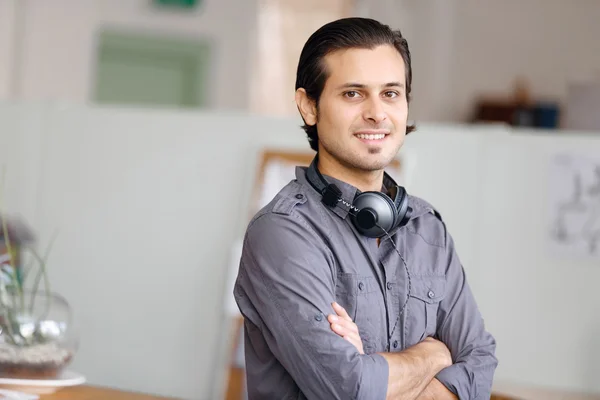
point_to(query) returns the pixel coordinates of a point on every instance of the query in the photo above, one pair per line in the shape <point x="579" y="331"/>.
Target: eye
<point x="391" y="94"/>
<point x="351" y="94"/>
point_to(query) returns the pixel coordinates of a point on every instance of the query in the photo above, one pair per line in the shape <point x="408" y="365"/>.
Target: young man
<point x="346" y="294"/>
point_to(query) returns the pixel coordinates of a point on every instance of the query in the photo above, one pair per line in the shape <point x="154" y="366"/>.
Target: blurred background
<point x="147" y="132"/>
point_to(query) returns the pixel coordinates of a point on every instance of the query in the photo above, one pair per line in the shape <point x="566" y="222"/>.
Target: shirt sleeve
<point x="462" y="329"/>
<point x="285" y="287"/>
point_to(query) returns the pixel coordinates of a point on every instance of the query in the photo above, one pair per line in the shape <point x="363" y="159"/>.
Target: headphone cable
<point x="407" y="275"/>
<point x="403" y="262"/>
<point x="405" y="266"/>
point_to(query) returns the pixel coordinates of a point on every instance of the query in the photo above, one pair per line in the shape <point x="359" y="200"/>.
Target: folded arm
<point x="286" y="287"/>
<point x="469" y="373"/>
<point x="412" y="371"/>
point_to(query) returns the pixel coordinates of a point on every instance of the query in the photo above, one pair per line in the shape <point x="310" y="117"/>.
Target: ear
<point x="307" y="107"/>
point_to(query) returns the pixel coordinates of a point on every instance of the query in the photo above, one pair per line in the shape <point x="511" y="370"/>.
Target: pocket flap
<point x="430" y="289"/>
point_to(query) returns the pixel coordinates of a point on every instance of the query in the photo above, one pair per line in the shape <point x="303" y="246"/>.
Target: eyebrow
<point x="362" y="86"/>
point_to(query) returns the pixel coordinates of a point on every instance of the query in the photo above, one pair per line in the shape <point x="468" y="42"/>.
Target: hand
<point x="343" y="325"/>
<point x="439" y="351"/>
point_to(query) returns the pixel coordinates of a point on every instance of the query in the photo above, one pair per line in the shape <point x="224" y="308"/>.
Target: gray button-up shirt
<point x="299" y="256"/>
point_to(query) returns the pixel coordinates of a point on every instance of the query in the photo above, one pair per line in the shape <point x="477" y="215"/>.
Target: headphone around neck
<point x="372" y="213"/>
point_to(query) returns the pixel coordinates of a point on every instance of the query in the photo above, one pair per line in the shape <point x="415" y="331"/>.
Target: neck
<point x="361" y="179"/>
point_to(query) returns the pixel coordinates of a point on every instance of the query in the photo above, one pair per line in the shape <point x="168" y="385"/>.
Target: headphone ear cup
<point x="377" y="211"/>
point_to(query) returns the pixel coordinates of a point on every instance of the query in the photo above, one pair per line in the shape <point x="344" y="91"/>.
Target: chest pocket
<point x="362" y="299"/>
<point x="421" y="318"/>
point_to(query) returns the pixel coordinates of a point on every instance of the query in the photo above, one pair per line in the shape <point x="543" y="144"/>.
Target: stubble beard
<point x="377" y="160"/>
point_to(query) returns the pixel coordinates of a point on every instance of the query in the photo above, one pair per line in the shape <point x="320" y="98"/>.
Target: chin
<point x="379" y="160"/>
<point x="373" y="164"/>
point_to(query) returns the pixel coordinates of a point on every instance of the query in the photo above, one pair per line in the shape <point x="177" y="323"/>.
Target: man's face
<point x="363" y="109"/>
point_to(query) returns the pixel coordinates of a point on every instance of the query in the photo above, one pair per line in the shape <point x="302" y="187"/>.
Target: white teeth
<point x="371" y="137"/>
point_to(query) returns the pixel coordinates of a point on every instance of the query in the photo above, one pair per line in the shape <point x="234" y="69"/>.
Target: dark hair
<point x="343" y="34"/>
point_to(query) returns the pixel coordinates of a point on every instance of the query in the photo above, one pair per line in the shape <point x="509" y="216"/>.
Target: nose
<point x="374" y="111"/>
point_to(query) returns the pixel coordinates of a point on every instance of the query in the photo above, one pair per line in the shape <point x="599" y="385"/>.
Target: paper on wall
<point x="575" y="205"/>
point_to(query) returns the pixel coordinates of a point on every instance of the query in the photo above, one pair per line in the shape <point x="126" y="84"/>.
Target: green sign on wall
<point x="178" y="3"/>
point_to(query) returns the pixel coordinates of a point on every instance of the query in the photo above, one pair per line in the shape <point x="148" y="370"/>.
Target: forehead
<point x="375" y="66"/>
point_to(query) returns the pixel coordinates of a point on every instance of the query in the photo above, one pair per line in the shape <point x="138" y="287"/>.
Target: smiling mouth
<point x="371" y="136"/>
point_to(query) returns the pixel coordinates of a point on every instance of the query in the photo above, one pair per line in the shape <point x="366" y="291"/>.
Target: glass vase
<point x="37" y="339"/>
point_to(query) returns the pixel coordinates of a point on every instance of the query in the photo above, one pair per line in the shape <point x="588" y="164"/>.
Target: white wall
<point x="543" y="308"/>
<point x="7" y="48"/>
<point x="22" y="138"/>
<point x="59" y="39"/>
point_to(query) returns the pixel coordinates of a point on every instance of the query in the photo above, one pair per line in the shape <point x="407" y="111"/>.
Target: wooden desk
<point x="507" y="391"/>
<point x="85" y="392"/>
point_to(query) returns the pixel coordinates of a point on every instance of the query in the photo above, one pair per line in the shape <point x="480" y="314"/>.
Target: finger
<point x="348" y="325"/>
<point x="341" y="311"/>
<point x="337" y="328"/>
<point x="346" y="333"/>
<point x="343" y="331"/>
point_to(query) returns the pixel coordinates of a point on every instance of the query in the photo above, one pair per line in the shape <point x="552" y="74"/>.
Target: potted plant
<point x="36" y="341"/>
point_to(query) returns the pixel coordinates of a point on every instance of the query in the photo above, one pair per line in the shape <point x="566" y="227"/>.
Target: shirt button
<point x="430" y="294"/>
<point x="319" y="317"/>
<point x="299" y="196"/>
<point x="361" y="285"/>
<point x="389" y="285"/>
<point x="395" y="344"/>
